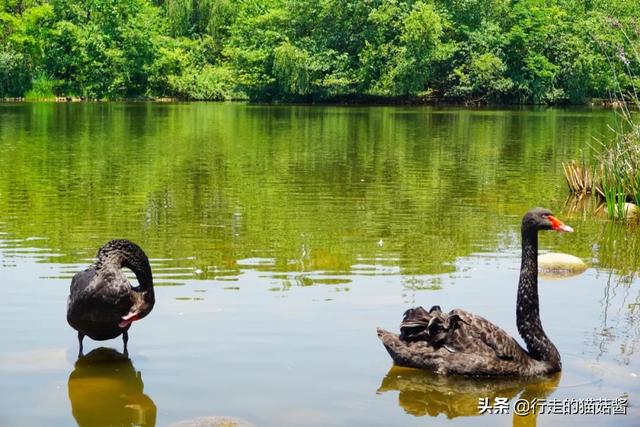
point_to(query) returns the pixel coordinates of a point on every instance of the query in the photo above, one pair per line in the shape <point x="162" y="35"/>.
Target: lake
<point x="280" y="238"/>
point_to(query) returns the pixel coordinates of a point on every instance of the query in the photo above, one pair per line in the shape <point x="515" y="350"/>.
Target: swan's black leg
<point x="80" y="337"/>
<point x="125" y="339"/>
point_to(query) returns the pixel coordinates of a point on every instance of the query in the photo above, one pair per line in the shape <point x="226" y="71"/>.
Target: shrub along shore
<point x="453" y="51"/>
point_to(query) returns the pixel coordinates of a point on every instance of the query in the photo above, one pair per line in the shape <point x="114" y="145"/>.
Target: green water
<point x="280" y="237"/>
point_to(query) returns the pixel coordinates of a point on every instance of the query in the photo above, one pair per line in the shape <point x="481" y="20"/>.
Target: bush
<point x="14" y="75"/>
<point x="209" y="83"/>
<point x="42" y="88"/>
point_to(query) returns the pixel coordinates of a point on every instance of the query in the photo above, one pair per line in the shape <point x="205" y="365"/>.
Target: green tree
<point x="402" y="57"/>
<point x="103" y="48"/>
<point x="255" y="35"/>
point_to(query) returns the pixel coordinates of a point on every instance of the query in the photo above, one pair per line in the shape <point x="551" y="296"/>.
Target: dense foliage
<point x="506" y="51"/>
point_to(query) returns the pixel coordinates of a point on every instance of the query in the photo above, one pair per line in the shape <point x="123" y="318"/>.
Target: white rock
<point x="630" y="210"/>
<point x="560" y="265"/>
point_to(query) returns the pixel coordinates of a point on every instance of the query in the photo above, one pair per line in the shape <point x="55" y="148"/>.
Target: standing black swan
<point x="461" y="343"/>
<point x="102" y="303"/>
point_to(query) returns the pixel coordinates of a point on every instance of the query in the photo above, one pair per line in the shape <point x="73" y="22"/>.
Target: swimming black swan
<point x="102" y="303"/>
<point x="461" y="343"/>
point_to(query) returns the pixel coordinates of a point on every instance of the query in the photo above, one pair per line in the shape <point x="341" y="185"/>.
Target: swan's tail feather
<point x="413" y="355"/>
<point x="415" y="324"/>
<point x="433" y="326"/>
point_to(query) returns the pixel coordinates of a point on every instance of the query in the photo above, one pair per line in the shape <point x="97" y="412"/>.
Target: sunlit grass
<point x="41" y="89"/>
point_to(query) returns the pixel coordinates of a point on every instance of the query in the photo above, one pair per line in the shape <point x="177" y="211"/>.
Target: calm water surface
<point x="280" y="237"/>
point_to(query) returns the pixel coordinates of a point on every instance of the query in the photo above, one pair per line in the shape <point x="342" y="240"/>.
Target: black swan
<point x="461" y="343"/>
<point x="102" y="303"/>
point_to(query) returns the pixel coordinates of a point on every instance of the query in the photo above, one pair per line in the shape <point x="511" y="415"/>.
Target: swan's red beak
<point x="558" y="225"/>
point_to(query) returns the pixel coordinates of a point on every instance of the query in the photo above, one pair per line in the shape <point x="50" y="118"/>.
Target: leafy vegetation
<point x="621" y="158"/>
<point x="472" y="51"/>
<point x="617" y="176"/>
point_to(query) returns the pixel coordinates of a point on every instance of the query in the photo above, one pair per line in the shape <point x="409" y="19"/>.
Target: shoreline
<point x="356" y="101"/>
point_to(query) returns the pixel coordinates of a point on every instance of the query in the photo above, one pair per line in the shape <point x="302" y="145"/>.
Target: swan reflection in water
<point x="424" y="393"/>
<point x="106" y="390"/>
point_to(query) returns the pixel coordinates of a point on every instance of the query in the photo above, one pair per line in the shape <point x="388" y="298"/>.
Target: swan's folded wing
<point x="479" y="333"/>
<point x="81" y="280"/>
<point x="96" y="296"/>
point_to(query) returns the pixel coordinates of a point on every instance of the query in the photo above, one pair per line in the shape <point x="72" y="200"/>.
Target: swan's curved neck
<point x="129" y="256"/>
<point x="142" y="270"/>
<point x="528" y="308"/>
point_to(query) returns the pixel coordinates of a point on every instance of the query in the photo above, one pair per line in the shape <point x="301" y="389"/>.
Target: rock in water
<point x="630" y="211"/>
<point x="559" y="264"/>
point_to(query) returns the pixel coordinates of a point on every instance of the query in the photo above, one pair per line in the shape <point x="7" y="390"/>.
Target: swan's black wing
<point x="476" y="332"/>
<point x="457" y="331"/>
<point x="97" y="302"/>
<point x="457" y="342"/>
<point x="81" y="280"/>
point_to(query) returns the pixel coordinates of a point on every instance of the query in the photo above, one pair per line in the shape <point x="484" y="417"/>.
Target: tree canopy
<point x="478" y="51"/>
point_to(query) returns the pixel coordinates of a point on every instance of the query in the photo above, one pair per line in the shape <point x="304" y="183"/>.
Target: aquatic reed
<point x="580" y="178"/>
<point x="620" y="158"/>
<point x="620" y="166"/>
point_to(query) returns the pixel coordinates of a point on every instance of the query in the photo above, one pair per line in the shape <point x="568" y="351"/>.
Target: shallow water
<point x="280" y="238"/>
